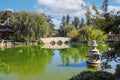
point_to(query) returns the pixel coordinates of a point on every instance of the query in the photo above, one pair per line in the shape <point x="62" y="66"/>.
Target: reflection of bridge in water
<point x="56" y="39"/>
<point x="56" y="46"/>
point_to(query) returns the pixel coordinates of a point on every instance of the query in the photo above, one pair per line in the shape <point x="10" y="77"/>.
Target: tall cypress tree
<point x="67" y="19"/>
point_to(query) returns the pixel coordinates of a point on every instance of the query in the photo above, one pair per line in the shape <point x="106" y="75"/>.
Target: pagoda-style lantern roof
<point x="93" y="43"/>
<point x="6" y="26"/>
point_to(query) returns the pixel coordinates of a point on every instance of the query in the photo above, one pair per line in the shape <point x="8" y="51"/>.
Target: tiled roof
<point x="6" y="30"/>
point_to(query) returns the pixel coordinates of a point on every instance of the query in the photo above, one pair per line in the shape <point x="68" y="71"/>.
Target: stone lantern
<point x="93" y="54"/>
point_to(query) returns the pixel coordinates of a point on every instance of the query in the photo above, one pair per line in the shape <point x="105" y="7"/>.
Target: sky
<point x="56" y="8"/>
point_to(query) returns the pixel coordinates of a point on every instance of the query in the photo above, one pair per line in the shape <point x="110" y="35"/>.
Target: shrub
<point x="103" y="75"/>
<point x="85" y="75"/>
<point x="40" y="42"/>
<point x="99" y="75"/>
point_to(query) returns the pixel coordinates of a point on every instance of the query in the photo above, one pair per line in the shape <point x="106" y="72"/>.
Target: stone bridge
<point x="56" y="39"/>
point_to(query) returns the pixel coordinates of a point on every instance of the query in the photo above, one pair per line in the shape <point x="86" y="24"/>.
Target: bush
<point x="99" y="75"/>
<point x="85" y="75"/>
<point x="103" y="75"/>
<point x="41" y="43"/>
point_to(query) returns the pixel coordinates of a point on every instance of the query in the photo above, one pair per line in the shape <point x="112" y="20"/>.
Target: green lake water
<point x="48" y="63"/>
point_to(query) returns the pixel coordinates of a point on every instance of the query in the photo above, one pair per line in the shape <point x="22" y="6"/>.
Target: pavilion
<point x="6" y="30"/>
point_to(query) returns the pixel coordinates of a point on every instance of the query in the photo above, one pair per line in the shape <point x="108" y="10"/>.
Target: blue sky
<point x="18" y="5"/>
<point x="55" y="8"/>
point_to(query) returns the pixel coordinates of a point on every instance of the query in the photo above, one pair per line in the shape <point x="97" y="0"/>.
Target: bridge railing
<point x="55" y="39"/>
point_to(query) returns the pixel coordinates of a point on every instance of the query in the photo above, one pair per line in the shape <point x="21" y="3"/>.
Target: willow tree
<point x="90" y="33"/>
<point x="30" y="26"/>
<point x="66" y="29"/>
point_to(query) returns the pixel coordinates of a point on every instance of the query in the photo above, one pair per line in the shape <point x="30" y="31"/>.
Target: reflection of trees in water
<point x="25" y="60"/>
<point x="77" y="53"/>
<point x="28" y="61"/>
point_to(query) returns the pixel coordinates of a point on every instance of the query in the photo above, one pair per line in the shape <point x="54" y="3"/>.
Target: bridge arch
<point x="56" y="39"/>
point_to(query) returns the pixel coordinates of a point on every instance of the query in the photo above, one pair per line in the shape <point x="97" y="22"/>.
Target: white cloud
<point x="57" y="22"/>
<point x="116" y="8"/>
<point x="9" y="9"/>
<point x="117" y="1"/>
<point x="62" y="4"/>
<point x="58" y="8"/>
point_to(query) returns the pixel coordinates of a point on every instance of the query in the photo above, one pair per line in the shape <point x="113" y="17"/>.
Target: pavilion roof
<point x="6" y="23"/>
<point x="6" y="26"/>
<point x="6" y="30"/>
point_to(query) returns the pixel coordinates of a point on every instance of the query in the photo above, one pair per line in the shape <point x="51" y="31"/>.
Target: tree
<point x="90" y="33"/>
<point x="7" y="14"/>
<point x="66" y="29"/>
<point x="105" y="6"/>
<point x="67" y="19"/>
<point x="62" y="22"/>
<point x="76" y="22"/>
<point x="73" y="34"/>
<point x="88" y="16"/>
<point x="82" y="22"/>
<point x="95" y="9"/>
<point x="30" y="26"/>
<point x="50" y="22"/>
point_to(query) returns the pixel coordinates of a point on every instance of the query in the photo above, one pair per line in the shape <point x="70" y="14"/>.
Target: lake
<point x="49" y="62"/>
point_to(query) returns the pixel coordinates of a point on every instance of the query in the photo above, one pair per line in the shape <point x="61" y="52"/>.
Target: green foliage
<point x="103" y="75"/>
<point x="95" y="9"/>
<point x="7" y="14"/>
<point x="105" y="6"/>
<point x="41" y="43"/>
<point x="73" y="34"/>
<point x="99" y="75"/>
<point x="66" y="29"/>
<point x="85" y="75"/>
<point x="30" y="26"/>
<point x="76" y="22"/>
<point x="88" y="14"/>
<point x="65" y="20"/>
<point x="89" y="33"/>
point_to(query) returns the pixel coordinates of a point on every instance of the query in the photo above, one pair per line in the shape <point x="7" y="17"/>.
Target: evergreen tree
<point x="76" y="22"/>
<point x="82" y="22"/>
<point x="67" y="19"/>
<point x="62" y="22"/>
